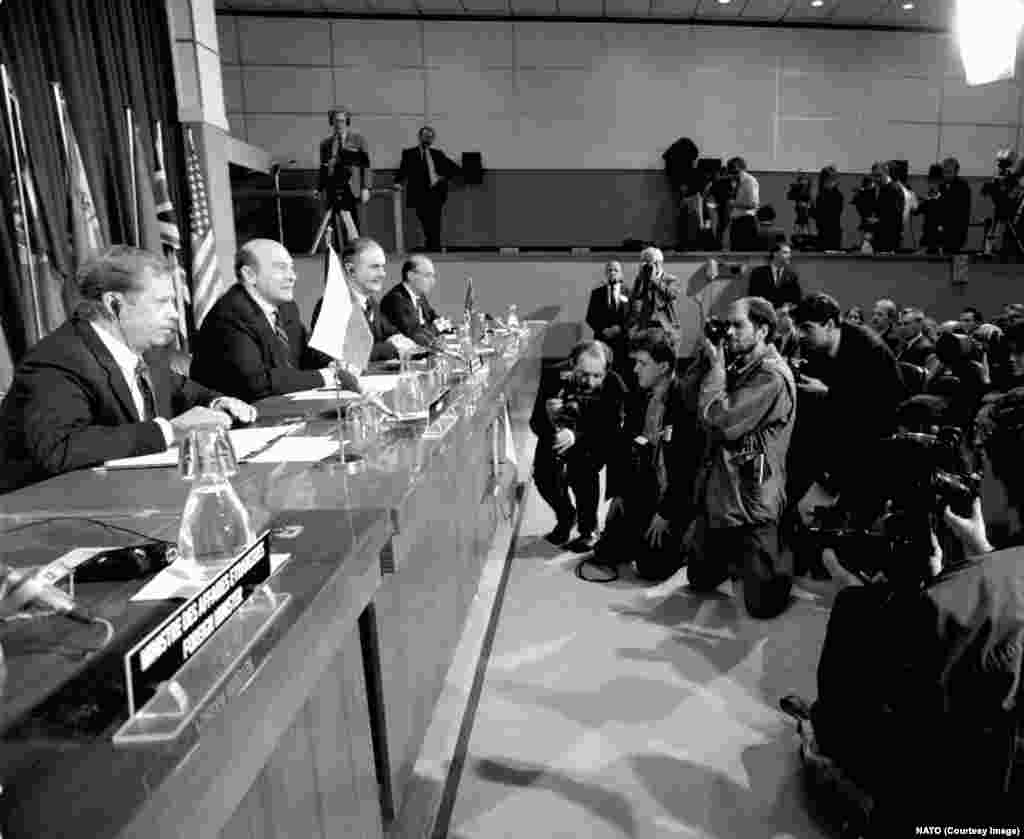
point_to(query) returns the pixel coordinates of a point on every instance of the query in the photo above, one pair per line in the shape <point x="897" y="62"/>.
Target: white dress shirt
<point x="415" y="302"/>
<point x="269" y="309"/>
<point x="127" y="362"/>
<point x="748" y="192"/>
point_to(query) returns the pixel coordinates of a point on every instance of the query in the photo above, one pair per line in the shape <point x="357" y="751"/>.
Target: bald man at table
<point x="85" y="394"/>
<point x="252" y="343"/>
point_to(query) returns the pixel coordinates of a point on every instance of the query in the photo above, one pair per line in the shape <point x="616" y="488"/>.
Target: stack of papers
<point x="298" y="450"/>
<point x="246" y="442"/>
<point x="322" y="393"/>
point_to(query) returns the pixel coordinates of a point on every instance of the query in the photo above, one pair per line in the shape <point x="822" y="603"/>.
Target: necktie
<point x="369" y="312"/>
<point x="282" y="336"/>
<point x="145" y="385"/>
<point x="429" y="160"/>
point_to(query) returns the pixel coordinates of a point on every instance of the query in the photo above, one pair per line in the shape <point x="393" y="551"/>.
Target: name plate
<point x="164" y="650"/>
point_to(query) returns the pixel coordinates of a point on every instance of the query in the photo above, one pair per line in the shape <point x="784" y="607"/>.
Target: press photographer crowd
<point x="720" y="206"/>
<point x="799" y="442"/>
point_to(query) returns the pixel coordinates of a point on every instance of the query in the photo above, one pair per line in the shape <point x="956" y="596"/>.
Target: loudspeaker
<point x="472" y="168"/>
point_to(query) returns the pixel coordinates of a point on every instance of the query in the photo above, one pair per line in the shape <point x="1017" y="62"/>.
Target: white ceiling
<point x="924" y="14"/>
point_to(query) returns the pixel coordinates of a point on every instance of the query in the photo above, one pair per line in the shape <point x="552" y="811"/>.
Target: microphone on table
<point x="24" y="589"/>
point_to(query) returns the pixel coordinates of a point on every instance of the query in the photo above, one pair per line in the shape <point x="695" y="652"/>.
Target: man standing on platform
<point x="777" y="282"/>
<point x="744" y="206"/>
<point x="345" y="177"/>
<point x="252" y="343"/>
<point x="425" y="172"/>
<point x="85" y="394"/>
<point x="406" y="306"/>
<point x="748" y="404"/>
<point x="655" y="297"/>
<point x="365" y="268"/>
<point x="607" y="312"/>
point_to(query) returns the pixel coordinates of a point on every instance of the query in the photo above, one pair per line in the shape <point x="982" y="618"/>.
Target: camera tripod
<point x="328" y="224"/>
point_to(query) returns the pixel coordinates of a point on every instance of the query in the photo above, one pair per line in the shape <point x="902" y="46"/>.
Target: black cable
<point x="100" y="522"/>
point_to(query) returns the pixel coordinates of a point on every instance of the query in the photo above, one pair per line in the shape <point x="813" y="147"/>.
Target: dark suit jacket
<point x="412" y="171"/>
<point x="917" y="353"/>
<point x="351" y="170"/>
<point x="380" y="326"/>
<point x="237" y="352"/>
<point x="601" y="314"/>
<point x="398" y="308"/>
<point x="762" y="284"/>
<point x="70" y="407"/>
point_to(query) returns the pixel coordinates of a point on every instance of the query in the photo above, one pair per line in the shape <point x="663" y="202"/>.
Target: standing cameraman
<point x="654" y="300"/>
<point x="748" y="409"/>
<point x="577" y="423"/>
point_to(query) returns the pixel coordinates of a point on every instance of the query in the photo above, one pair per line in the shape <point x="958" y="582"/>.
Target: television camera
<point x="1002" y="229"/>
<point x="799" y="193"/>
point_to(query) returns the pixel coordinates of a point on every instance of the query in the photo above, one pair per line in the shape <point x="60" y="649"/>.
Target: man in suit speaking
<point x="85" y="394"/>
<point x="252" y="343"/>
<point x="425" y="172"/>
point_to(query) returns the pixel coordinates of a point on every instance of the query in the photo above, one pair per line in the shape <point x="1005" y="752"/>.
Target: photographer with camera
<point x="799" y="193"/>
<point x="653" y="465"/>
<point x="864" y="389"/>
<point x="919" y="678"/>
<point x="576" y="419"/>
<point x="1004" y="190"/>
<point x="828" y="210"/>
<point x="747" y="404"/>
<point x="654" y="299"/>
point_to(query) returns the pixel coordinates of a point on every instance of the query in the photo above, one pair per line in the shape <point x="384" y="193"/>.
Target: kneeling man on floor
<point x="748" y="404"/>
<point x="576" y="419"/>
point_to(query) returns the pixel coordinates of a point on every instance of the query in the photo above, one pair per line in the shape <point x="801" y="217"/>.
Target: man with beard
<point x="748" y="405"/>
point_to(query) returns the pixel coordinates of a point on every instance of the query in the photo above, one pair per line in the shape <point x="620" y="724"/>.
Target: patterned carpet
<point x="622" y="710"/>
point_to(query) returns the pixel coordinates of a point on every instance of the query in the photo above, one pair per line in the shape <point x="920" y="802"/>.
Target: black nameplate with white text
<point x="164" y="650"/>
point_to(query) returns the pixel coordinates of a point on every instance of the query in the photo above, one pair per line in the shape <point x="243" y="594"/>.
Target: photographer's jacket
<point x="595" y="418"/>
<point x="749" y="415"/>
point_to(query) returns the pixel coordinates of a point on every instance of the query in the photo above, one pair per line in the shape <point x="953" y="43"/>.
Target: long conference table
<point x="316" y="730"/>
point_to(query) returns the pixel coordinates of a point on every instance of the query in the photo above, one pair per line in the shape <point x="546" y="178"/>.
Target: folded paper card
<point x="245" y="441"/>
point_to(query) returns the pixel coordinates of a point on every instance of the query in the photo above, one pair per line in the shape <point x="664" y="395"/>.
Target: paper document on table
<point x="174" y="581"/>
<point x="320" y="394"/>
<point x="245" y="442"/>
<point x="378" y="384"/>
<point x="298" y="450"/>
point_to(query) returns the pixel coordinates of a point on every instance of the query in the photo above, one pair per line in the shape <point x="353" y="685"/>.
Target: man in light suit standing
<point x="346" y="177"/>
<point x="424" y="172"/>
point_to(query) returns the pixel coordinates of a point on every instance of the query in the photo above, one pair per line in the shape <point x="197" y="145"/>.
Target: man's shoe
<point x="583" y="543"/>
<point x="560" y="535"/>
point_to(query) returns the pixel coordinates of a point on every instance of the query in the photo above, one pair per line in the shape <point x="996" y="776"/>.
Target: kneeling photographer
<point x="918" y="719"/>
<point x="651" y="471"/>
<point x="576" y="419"/>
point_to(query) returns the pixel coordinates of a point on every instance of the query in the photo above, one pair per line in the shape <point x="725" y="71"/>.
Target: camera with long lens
<point x="928" y="473"/>
<point x="715" y="330"/>
<point x="575" y="399"/>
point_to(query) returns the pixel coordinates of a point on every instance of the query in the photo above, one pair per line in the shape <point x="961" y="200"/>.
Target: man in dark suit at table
<point x="252" y="343"/>
<point x="425" y="171"/>
<point x="406" y="305"/>
<point x="365" y="268"/>
<point x="607" y="313"/>
<point x="346" y="176"/>
<point x="777" y="281"/>
<point x="84" y="394"/>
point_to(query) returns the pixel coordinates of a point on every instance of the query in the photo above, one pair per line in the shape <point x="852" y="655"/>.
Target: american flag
<point x="170" y="235"/>
<point x="207" y="285"/>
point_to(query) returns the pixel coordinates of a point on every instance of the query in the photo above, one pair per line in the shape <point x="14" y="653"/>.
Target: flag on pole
<point x="41" y="286"/>
<point x="149" y="233"/>
<point x="341" y="331"/>
<point x="470" y="302"/>
<point x="86" y="234"/>
<point x="170" y="235"/>
<point x="207" y="285"/>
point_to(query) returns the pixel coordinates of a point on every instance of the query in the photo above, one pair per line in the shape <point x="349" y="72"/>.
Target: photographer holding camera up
<point x="748" y="405"/>
<point x="577" y="421"/>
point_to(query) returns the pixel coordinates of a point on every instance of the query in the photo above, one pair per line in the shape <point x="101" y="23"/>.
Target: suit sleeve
<point x="402" y="175"/>
<point x="324" y="162"/>
<point x="59" y="433"/>
<point x="230" y="359"/>
<point x="450" y="169"/>
<point x="365" y="169"/>
<point x="592" y="319"/>
<point x="401" y="314"/>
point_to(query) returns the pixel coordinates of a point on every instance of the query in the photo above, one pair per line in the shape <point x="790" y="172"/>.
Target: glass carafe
<point x="409" y="399"/>
<point x="215" y="526"/>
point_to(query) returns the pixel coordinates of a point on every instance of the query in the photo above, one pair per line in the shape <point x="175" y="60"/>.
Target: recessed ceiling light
<point x="817" y="4"/>
<point x="908" y="7"/>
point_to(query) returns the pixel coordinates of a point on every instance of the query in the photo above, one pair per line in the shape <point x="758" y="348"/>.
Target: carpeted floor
<point x="623" y="710"/>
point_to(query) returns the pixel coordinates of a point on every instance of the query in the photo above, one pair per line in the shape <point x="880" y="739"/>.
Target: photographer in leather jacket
<point x="577" y="417"/>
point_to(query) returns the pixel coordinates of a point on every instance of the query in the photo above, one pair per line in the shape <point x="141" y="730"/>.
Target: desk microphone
<point x="23" y="589"/>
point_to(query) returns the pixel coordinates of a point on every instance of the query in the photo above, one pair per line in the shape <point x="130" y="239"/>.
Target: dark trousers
<point x="755" y="552"/>
<point x="428" y="211"/>
<point x="743" y="234"/>
<point x="555" y="475"/>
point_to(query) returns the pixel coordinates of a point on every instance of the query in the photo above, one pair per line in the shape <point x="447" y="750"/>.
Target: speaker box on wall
<point x="472" y="168"/>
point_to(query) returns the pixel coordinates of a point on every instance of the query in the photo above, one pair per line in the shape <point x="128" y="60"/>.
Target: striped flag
<point x="86" y="232"/>
<point x="170" y="235"/>
<point x="207" y="284"/>
<point x="341" y="330"/>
